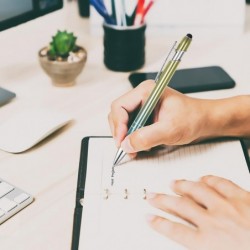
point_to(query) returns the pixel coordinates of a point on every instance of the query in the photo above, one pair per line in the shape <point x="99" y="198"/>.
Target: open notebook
<point x="113" y="216"/>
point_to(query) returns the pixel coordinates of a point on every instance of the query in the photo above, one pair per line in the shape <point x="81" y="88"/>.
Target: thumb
<point x="144" y="138"/>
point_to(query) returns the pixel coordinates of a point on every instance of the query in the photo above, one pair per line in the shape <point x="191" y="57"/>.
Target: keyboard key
<point x="21" y="198"/>
<point x="2" y="213"/>
<point x="6" y="204"/>
<point x="12" y="200"/>
<point x="5" y="188"/>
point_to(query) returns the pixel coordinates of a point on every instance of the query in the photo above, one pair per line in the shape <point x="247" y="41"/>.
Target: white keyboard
<point x="12" y="200"/>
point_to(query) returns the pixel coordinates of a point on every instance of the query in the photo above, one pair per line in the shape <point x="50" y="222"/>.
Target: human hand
<point x="178" y="119"/>
<point x="218" y="209"/>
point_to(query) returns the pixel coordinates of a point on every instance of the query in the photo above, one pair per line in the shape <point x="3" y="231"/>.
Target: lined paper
<point x="118" y="223"/>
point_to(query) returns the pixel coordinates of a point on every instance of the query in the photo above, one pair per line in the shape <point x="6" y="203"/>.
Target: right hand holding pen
<point x="177" y="119"/>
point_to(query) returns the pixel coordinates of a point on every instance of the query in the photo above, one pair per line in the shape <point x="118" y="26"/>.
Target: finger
<point x="126" y="104"/>
<point x="175" y="231"/>
<point x="111" y="124"/>
<point x="200" y="192"/>
<point x="182" y="207"/>
<point x="132" y="155"/>
<point x="120" y="133"/>
<point x="144" y="138"/>
<point x="119" y="127"/>
<point x="225" y="187"/>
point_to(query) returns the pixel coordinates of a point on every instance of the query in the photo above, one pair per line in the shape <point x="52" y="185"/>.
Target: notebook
<point x="112" y="217"/>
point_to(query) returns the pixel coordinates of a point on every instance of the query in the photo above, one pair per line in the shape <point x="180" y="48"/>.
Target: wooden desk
<point x="49" y="170"/>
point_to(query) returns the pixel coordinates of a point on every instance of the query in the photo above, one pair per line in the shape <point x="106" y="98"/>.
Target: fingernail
<point x="150" y="217"/>
<point x="132" y="155"/>
<point x="151" y="195"/>
<point x="126" y="146"/>
<point x="206" y="177"/>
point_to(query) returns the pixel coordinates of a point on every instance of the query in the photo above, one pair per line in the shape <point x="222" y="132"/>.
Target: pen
<point x="131" y="18"/>
<point x="145" y="11"/>
<point x="162" y="79"/>
<point x="139" y="12"/>
<point x="123" y="13"/>
<point x="100" y="8"/>
<point x="113" y="10"/>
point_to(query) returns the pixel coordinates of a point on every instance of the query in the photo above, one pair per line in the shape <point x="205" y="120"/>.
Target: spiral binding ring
<point x="126" y="193"/>
<point x="81" y="201"/>
<point x="106" y="194"/>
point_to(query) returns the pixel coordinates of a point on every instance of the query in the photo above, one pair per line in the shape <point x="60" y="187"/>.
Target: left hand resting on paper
<point x="218" y="209"/>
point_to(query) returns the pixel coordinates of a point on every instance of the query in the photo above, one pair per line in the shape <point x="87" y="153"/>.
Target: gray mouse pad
<point x="5" y="96"/>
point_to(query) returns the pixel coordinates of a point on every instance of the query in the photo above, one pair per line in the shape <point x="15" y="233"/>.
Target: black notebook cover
<point x="80" y="190"/>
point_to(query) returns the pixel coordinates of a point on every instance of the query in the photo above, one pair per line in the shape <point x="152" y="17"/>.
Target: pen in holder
<point x="124" y="47"/>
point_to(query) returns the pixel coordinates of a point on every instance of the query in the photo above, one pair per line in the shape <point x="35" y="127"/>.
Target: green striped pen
<point x="162" y="79"/>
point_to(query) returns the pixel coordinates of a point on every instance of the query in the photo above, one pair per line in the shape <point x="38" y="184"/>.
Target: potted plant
<point x="63" y="60"/>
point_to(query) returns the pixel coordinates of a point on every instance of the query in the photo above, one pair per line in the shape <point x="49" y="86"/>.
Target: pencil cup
<point x="124" y="47"/>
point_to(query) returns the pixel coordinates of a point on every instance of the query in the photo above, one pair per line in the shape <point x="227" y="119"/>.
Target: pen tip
<point x="189" y="35"/>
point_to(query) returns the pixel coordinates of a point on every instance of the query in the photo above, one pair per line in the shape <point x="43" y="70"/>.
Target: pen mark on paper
<point x="112" y="175"/>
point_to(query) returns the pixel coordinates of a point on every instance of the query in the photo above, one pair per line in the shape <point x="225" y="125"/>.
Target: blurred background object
<point x="201" y="15"/>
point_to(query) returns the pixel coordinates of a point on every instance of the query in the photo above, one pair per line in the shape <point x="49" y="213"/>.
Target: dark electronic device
<point x="191" y="80"/>
<point x="14" y="12"/>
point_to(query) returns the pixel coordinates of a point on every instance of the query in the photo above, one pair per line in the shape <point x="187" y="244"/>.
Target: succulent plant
<point x="62" y="44"/>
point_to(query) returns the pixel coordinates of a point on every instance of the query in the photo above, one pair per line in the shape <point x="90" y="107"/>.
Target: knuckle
<point x="160" y="130"/>
<point x="220" y="183"/>
<point x="198" y="189"/>
<point x="179" y="202"/>
<point x="114" y="104"/>
<point x="174" y="135"/>
<point x="159" y="223"/>
<point x="206" y="178"/>
<point x="191" y="188"/>
<point x="197" y="185"/>
<point x="186" y="186"/>
<point x="214" y="179"/>
<point x="140" y="141"/>
<point x="174" y="230"/>
<point x="146" y="88"/>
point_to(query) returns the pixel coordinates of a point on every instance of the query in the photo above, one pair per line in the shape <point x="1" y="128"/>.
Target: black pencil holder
<point x="124" y="47"/>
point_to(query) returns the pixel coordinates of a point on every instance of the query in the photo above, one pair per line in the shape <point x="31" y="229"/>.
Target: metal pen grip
<point x="153" y="99"/>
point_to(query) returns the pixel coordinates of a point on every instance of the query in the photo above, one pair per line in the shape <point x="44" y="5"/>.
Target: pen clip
<point x="163" y="65"/>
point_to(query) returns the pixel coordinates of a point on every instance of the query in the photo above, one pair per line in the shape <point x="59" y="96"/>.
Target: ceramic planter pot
<point x="64" y="72"/>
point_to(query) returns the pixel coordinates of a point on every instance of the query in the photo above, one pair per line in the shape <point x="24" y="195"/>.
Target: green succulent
<point x="62" y="44"/>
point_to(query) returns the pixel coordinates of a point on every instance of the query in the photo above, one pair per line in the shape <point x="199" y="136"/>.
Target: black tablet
<point x="192" y="79"/>
<point x="15" y="12"/>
